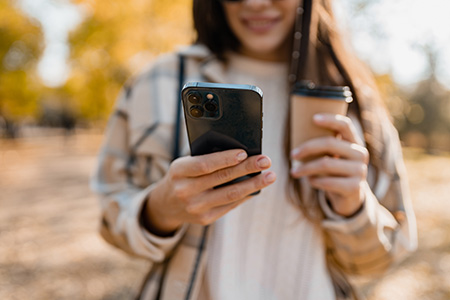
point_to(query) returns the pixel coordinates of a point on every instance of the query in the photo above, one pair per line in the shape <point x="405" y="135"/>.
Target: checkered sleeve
<point x="127" y="170"/>
<point x="385" y="228"/>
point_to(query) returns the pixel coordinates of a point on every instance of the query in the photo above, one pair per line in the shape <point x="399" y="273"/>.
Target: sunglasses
<point x="238" y="0"/>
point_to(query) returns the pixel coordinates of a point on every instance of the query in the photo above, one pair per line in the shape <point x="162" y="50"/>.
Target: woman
<point x="313" y="225"/>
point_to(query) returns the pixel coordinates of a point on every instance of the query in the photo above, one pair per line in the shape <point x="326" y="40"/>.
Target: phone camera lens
<point x="196" y="111"/>
<point x="210" y="106"/>
<point x="194" y="97"/>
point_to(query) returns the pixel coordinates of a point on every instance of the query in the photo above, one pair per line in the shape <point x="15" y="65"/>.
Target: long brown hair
<point x="212" y="27"/>
<point x="332" y="62"/>
<point x="329" y="62"/>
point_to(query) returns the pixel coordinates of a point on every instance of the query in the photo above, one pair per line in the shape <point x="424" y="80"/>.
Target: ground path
<point x="49" y="248"/>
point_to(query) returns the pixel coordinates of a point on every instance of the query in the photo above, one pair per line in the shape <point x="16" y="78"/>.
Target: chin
<point x="268" y="54"/>
<point x="262" y="48"/>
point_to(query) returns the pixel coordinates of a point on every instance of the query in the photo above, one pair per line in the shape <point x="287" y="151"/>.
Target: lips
<point x="260" y="24"/>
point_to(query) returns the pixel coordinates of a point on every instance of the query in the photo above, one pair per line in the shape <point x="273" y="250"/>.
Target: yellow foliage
<point x="115" y="38"/>
<point x="20" y="47"/>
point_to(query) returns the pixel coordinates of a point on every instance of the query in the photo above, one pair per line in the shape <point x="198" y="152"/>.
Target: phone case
<point x="222" y="117"/>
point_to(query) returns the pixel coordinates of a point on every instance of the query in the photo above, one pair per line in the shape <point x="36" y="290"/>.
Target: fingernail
<point x="295" y="152"/>
<point x="241" y="156"/>
<point x="263" y="162"/>
<point x="318" y="117"/>
<point x="270" y="177"/>
<point x="296" y="165"/>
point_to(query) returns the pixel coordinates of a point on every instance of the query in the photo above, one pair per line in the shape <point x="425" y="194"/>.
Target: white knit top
<point x="265" y="249"/>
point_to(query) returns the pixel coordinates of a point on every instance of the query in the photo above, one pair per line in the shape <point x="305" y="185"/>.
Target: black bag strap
<point x="175" y="155"/>
<point x="177" y="129"/>
<point x="301" y="42"/>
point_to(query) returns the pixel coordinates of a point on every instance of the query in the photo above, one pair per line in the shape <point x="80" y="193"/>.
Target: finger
<point x="234" y="192"/>
<point x="328" y="166"/>
<point x="251" y="165"/>
<point x="333" y="147"/>
<point x="340" y="124"/>
<point x="194" y="166"/>
<point x="339" y="185"/>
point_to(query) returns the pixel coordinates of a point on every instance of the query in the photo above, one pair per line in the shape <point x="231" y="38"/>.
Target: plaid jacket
<point x="137" y="152"/>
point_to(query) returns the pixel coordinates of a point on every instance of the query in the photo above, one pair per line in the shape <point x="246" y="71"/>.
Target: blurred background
<point x="62" y="63"/>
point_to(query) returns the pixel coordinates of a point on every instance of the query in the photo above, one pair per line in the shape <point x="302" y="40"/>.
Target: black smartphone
<point x="222" y="117"/>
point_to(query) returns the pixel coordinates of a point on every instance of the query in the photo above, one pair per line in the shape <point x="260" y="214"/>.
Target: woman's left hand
<point x="341" y="169"/>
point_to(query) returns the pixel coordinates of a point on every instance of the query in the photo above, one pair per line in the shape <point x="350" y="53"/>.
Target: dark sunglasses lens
<point x="231" y="0"/>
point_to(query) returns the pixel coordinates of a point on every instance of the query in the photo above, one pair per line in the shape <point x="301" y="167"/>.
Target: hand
<point x="341" y="169"/>
<point x="186" y="194"/>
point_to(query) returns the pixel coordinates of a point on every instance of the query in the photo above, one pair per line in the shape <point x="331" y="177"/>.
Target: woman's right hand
<point x="186" y="194"/>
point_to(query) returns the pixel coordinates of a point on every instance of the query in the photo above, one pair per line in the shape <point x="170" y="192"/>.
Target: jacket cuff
<point x="366" y="215"/>
<point x="143" y="242"/>
<point x="165" y="242"/>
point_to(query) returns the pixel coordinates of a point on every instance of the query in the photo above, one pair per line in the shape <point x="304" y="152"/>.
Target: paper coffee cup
<point x="308" y="100"/>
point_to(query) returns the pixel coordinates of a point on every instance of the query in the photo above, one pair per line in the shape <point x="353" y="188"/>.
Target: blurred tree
<point x="421" y="115"/>
<point x="429" y="108"/>
<point x="21" y="44"/>
<point x="115" y="40"/>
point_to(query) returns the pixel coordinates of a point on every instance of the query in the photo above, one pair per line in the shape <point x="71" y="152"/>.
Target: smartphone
<point x="222" y="117"/>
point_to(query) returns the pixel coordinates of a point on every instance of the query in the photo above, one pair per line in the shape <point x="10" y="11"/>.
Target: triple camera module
<point x="203" y="104"/>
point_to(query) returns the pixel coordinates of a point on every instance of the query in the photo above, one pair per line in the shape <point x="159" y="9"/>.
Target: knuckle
<point x="365" y="155"/>
<point x="174" y="166"/>
<point x="233" y="194"/>
<point x="224" y="175"/>
<point x="347" y="122"/>
<point x="326" y="162"/>
<point x="230" y="160"/>
<point x="203" y="167"/>
<point x="344" y="121"/>
<point x="191" y="209"/>
<point x="363" y="170"/>
<point x="258" y="183"/>
<point x="205" y="219"/>
<point x="175" y="163"/>
<point x="181" y="193"/>
<point x="363" y="152"/>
